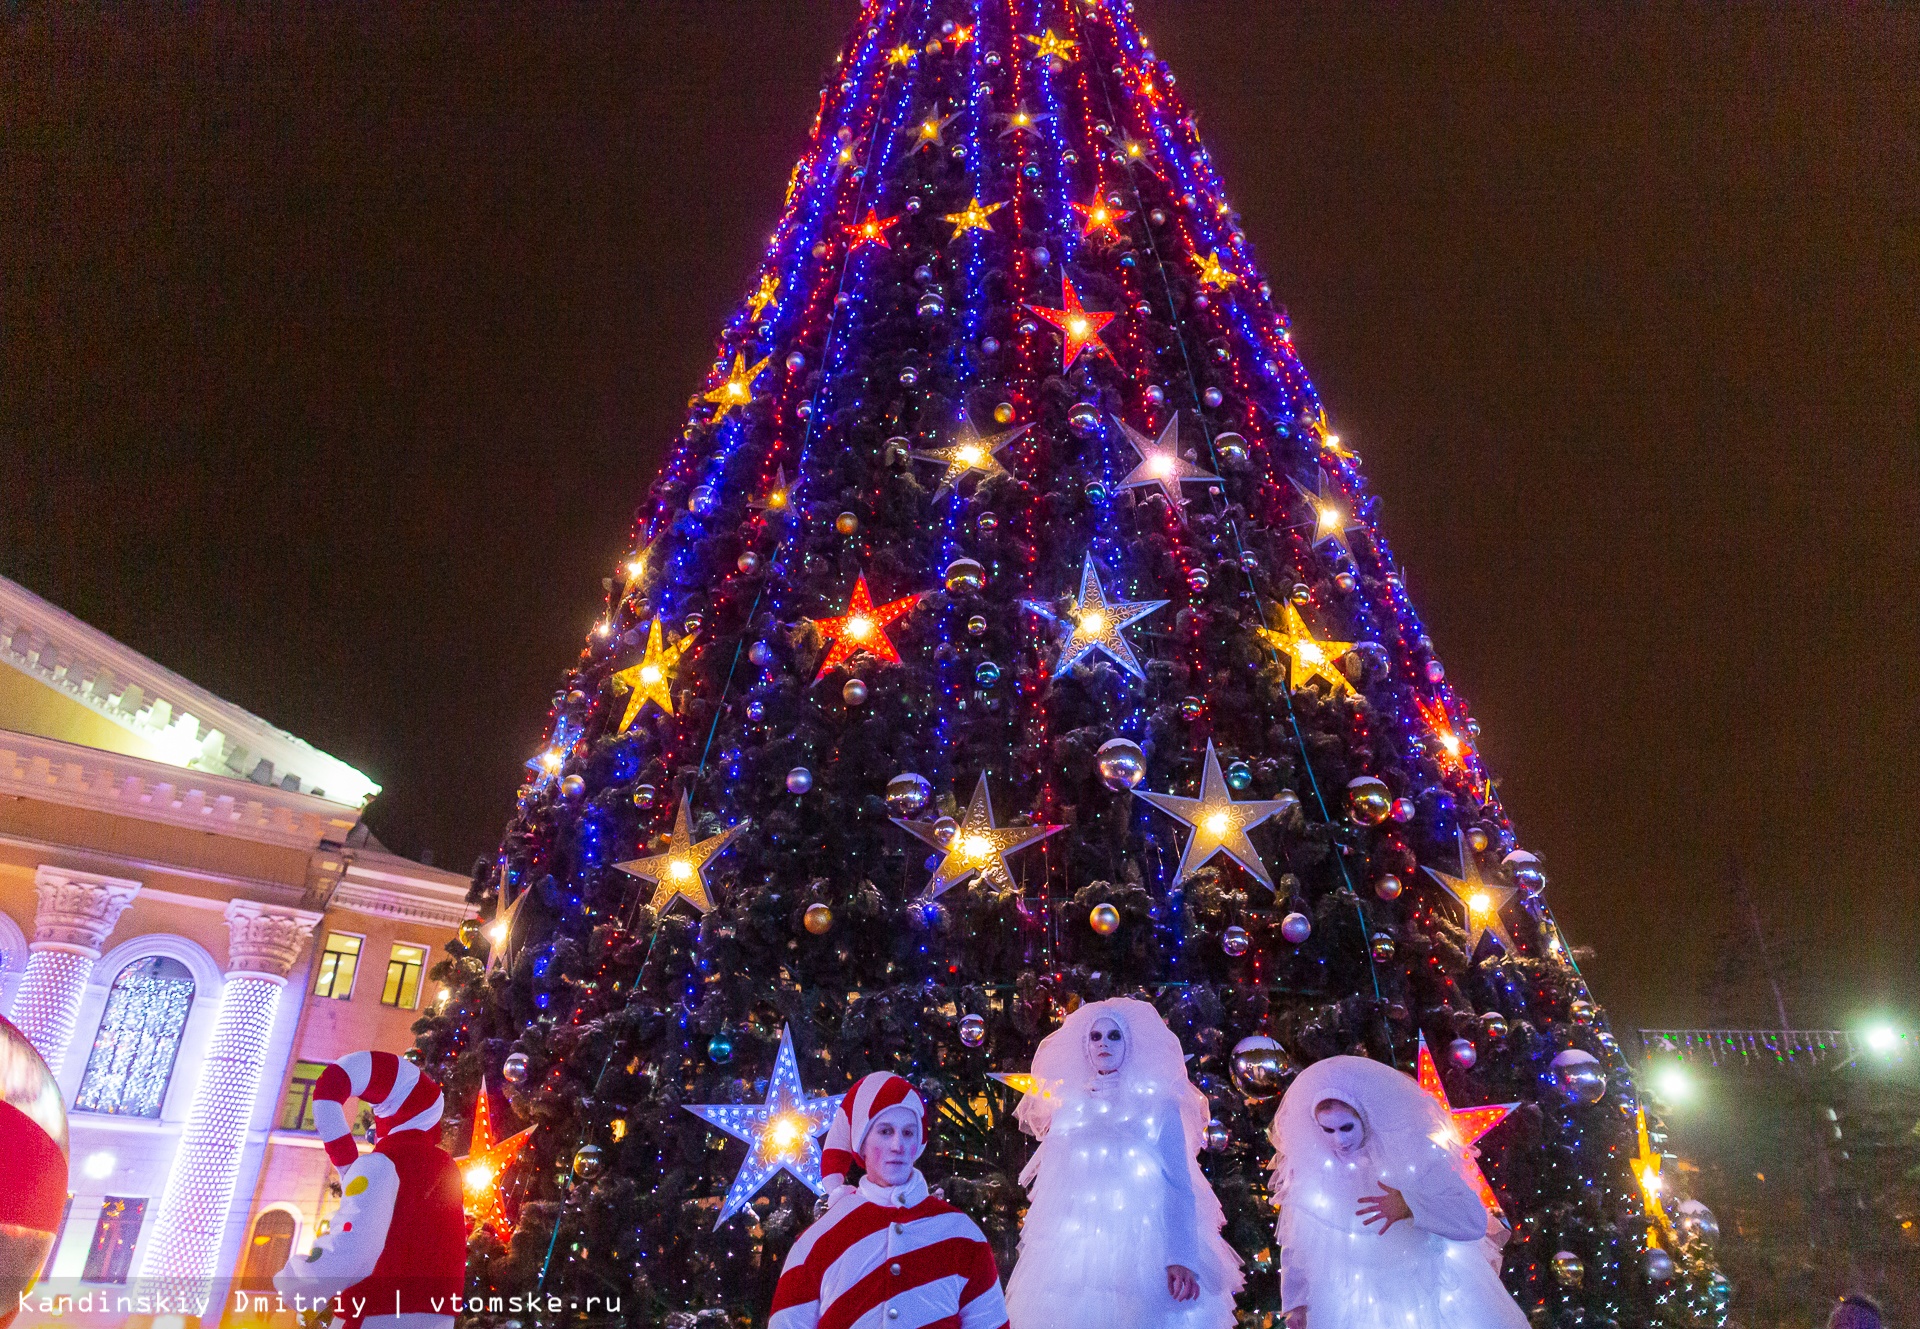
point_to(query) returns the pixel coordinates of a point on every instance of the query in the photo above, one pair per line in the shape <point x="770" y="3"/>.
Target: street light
<point x="1674" y="1084"/>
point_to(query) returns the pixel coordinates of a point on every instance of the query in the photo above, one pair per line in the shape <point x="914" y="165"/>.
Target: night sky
<point x="339" y="343"/>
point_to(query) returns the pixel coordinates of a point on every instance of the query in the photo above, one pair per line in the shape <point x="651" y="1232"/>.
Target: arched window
<point x="268" y="1251"/>
<point x="132" y="1058"/>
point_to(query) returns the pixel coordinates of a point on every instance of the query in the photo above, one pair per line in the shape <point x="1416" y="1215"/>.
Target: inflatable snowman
<point x="397" y="1255"/>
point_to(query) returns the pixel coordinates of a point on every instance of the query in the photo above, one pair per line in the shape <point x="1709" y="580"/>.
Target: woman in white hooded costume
<point x="1380" y="1227"/>
<point x="1123" y="1230"/>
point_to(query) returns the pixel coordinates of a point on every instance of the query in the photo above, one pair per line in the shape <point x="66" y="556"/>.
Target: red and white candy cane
<point x="403" y="1100"/>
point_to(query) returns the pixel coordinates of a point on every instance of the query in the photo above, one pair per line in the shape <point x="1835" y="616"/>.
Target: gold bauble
<point x="1104" y="919"/>
<point x="819" y="919"/>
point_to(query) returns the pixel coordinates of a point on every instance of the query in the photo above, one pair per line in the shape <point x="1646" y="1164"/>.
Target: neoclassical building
<point x="193" y="922"/>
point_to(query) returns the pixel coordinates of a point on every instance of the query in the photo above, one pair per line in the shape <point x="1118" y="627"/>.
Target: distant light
<point x="1882" y="1039"/>
<point x="1674" y="1084"/>
<point x="100" y="1164"/>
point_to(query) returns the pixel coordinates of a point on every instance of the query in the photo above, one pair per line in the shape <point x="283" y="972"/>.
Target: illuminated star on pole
<point x="680" y="873"/>
<point x="1160" y="460"/>
<point x="1053" y="47"/>
<point x="862" y="628"/>
<point x="1081" y="327"/>
<point x="979" y="845"/>
<point x="737" y="388"/>
<point x="1307" y="657"/>
<point x="1096" y="218"/>
<point x="871" y="230"/>
<point x="1482" y="899"/>
<point x="967" y="453"/>
<point x="1332" y="520"/>
<point x="1469" y="1124"/>
<point x="973" y="217"/>
<point x="1646" y="1167"/>
<point x="484" y="1164"/>
<point x="760" y="299"/>
<point x="781" y="1133"/>
<point x="1097" y="622"/>
<point x="1219" y="824"/>
<point x="651" y="679"/>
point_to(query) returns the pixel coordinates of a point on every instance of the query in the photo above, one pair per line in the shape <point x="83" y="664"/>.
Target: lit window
<point x="114" y="1237"/>
<point x="339" y="960"/>
<point x="404" y="968"/>
<point x="296" y="1109"/>
<point x="139" y="1036"/>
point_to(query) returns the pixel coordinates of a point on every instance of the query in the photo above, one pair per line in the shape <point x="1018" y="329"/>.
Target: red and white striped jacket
<point x="890" y="1258"/>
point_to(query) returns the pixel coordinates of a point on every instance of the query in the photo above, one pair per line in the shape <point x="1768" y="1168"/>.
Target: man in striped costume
<point x="887" y="1255"/>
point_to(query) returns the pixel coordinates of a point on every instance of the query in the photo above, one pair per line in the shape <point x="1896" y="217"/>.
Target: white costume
<point x="1431" y="1271"/>
<point x="1116" y="1188"/>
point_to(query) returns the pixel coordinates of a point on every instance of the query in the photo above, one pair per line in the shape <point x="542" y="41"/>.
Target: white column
<point x="73" y="914"/>
<point x="263" y="944"/>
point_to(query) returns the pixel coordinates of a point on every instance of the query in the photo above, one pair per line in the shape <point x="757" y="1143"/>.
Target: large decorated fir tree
<point x="1008" y="630"/>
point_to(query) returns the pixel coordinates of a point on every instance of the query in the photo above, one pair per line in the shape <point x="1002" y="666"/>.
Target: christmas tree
<point x="1008" y="630"/>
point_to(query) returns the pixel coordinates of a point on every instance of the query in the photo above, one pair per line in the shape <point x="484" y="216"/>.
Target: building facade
<point x="193" y="922"/>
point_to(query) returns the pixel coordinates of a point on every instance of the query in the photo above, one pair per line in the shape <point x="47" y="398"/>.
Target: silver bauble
<point x="572" y="787"/>
<point x="1523" y="870"/>
<point x="1578" y="1078"/>
<point x="1296" y="927"/>
<point x="854" y="693"/>
<point x="973" y="1030"/>
<point x="944" y="831"/>
<point x="1697" y="1222"/>
<point x="1463" y="1053"/>
<point x="1569" y="1270"/>
<point x="514" y="1069"/>
<point x="1217" y="1136"/>
<point x="1260" y="1067"/>
<point x="965" y="576"/>
<point x="1659" y="1265"/>
<point x="1369" y="801"/>
<point x="588" y="1162"/>
<point x="1388" y="887"/>
<point x="1121" y="762"/>
<point x="1234" y="940"/>
<point x="907" y="793"/>
<point x="799" y="780"/>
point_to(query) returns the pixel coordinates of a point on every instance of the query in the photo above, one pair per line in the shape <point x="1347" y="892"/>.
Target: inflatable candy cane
<point x="397" y="1255"/>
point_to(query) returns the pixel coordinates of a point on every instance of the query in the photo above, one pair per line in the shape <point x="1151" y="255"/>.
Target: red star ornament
<point x="486" y="1161"/>
<point x="1081" y="327"/>
<point x="872" y="230"/>
<point x="862" y="628"/>
<point x="1469" y="1124"/>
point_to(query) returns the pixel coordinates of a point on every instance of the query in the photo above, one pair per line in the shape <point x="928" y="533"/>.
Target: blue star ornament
<point x="1096" y="623"/>
<point x="781" y="1134"/>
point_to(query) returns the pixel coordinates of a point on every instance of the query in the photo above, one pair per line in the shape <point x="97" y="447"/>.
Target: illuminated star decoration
<point x="737" y="388"/>
<point x="780" y="1133"/>
<point x="973" y="217"/>
<point x="779" y="496"/>
<point x="650" y="680"/>
<point x="1021" y="120"/>
<point x="1219" y="824"/>
<point x="484" y="1164"/>
<point x="1331" y="520"/>
<point x="1134" y="150"/>
<point x="969" y="452"/>
<point x="1307" y="657"/>
<point x="1469" y="1124"/>
<point x="1453" y="748"/>
<point x="1097" y="218"/>
<point x="1646" y="1166"/>
<point x="902" y="54"/>
<point x="979" y="845"/>
<point x="680" y="873"/>
<point x="872" y="230"/>
<point x="862" y="628"/>
<point x="1081" y="327"/>
<point x="1053" y="47"/>
<point x="1160" y="460"/>
<point x="760" y="299"/>
<point x="932" y="130"/>
<point x="1213" y="274"/>
<point x="506" y="921"/>
<point x="1097" y="624"/>
<point x="1482" y="899"/>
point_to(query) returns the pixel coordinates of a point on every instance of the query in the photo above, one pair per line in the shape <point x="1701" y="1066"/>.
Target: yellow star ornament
<point x="737" y="389"/>
<point x="1051" y="46"/>
<point x="651" y="679"/>
<point x="1220" y="825"/>
<point x="1480" y="898"/>
<point x="1646" y="1166"/>
<point x="973" y="217"/>
<point x="1307" y="659"/>
<point x="970" y="452"/>
<point x="681" y="872"/>
<point x="979" y="846"/>
<point x="760" y="299"/>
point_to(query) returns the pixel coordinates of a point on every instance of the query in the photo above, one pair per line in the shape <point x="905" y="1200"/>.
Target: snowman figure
<point x="397" y="1255"/>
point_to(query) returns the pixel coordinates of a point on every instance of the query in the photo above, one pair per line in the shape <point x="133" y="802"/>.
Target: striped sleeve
<point x="982" y="1306"/>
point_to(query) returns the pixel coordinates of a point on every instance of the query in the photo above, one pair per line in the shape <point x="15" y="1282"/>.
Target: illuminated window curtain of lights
<point x="193" y="1212"/>
<point x="48" y="1002"/>
<point x="139" y="1037"/>
<point x="117" y="1232"/>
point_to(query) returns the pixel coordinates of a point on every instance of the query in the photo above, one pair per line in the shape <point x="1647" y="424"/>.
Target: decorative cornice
<point x="201" y="731"/>
<point x="388" y="886"/>
<point x="79" y="776"/>
<point x="74" y="911"/>
<point x="264" y="941"/>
